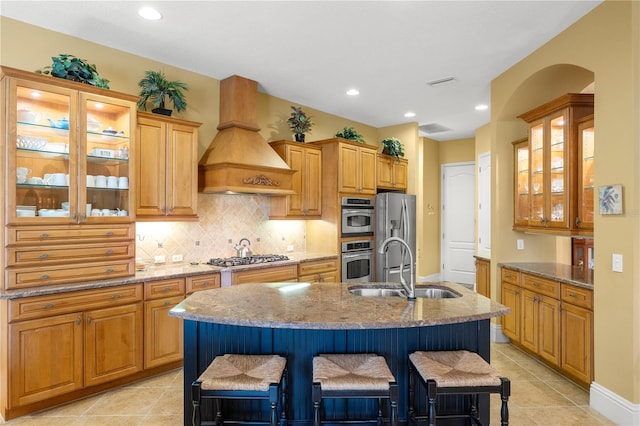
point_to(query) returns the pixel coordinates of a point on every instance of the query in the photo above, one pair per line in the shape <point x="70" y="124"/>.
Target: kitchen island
<point x="300" y="320"/>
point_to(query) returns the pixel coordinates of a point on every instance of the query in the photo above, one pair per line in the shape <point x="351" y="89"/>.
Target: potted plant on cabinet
<point x="155" y="87"/>
<point x="299" y="123"/>
<point x="351" y="134"/>
<point x="75" y="69"/>
<point x="393" y="147"/>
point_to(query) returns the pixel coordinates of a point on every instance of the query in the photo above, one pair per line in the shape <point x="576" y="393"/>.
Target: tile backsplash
<point x="223" y="218"/>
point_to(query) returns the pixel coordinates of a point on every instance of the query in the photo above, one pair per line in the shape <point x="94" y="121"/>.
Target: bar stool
<point x="455" y="372"/>
<point x="250" y="377"/>
<point x="359" y="375"/>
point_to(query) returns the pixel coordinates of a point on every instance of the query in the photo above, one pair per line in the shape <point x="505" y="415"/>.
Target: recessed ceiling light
<point x="410" y="114"/>
<point x="482" y="107"/>
<point x="149" y="13"/>
<point x="353" y="92"/>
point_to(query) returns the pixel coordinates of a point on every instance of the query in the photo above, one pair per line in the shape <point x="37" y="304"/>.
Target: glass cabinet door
<point x="521" y="196"/>
<point x="106" y="126"/>
<point x="536" y="174"/>
<point x="557" y="177"/>
<point x="43" y="161"/>
<point x="586" y="139"/>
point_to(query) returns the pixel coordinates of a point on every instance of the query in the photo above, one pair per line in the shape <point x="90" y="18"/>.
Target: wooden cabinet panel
<point x="166" y="168"/>
<point x="511" y="297"/>
<point x="164" y="288"/>
<point x="46" y="358"/>
<point x="203" y="282"/>
<point x="368" y="171"/>
<point x="577" y="296"/>
<point x="113" y="343"/>
<point x="577" y="342"/>
<point x="530" y="321"/>
<point x="319" y="271"/>
<point x="163" y="334"/>
<point x="32" y="235"/>
<point x="266" y="275"/>
<point x="549" y="329"/>
<point x="45" y="255"/>
<point x="510" y="276"/>
<point x="541" y="285"/>
<point x="391" y="172"/>
<point x="483" y="277"/>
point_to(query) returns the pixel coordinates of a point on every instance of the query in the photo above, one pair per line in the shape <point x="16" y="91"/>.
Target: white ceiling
<point x="311" y="52"/>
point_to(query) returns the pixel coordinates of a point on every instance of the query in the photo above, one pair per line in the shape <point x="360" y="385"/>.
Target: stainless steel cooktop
<point x="249" y="260"/>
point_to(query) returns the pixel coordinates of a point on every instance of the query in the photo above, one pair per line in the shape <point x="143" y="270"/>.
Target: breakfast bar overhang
<point x="300" y="320"/>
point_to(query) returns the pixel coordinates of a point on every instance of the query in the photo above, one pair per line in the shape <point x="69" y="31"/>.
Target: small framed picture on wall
<point x="610" y="197"/>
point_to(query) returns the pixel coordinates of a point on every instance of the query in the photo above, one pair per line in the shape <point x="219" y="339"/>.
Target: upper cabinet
<point x="391" y="172"/>
<point x="521" y="184"/>
<point x="553" y="164"/>
<point x="167" y="168"/>
<point x="353" y="163"/>
<point x="306" y="203"/>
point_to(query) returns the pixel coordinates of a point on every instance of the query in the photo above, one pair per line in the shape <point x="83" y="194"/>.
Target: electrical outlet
<point x="176" y="258"/>
<point x="159" y="259"/>
<point x="616" y="262"/>
<point x="290" y="247"/>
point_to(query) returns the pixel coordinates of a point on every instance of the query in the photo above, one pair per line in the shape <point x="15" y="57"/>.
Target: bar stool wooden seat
<point x="250" y="377"/>
<point x="359" y="375"/>
<point x="455" y="372"/>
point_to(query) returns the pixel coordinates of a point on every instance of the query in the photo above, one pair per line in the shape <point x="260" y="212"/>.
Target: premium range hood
<point x="239" y="159"/>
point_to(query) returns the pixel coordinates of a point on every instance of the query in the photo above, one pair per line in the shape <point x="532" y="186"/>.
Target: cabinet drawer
<point x="540" y="285"/>
<point x="164" y="288"/>
<point x="266" y="275"/>
<point x="41" y="306"/>
<point x="577" y="296"/>
<point x="23" y="277"/>
<point x="69" y="234"/>
<point x="44" y="255"/>
<point x="317" y="266"/>
<point x="325" y="277"/>
<point x="510" y="276"/>
<point x="203" y="282"/>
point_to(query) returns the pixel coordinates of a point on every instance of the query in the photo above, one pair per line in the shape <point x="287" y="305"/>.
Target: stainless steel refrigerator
<point x="395" y="217"/>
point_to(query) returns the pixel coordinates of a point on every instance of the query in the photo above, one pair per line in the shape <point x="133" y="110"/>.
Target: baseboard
<point x="614" y="407"/>
<point x="496" y="334"/>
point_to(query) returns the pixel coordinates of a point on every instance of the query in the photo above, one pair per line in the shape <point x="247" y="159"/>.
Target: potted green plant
<point x="73" y="68"/>
<point x="351" y="134"/>
<point x="155" y="87"/>
<point x="393" y="147"/>
<point x="299" y="123"/>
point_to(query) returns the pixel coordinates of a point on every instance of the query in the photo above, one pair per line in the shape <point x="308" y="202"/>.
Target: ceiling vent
<point x="442" y="81"/>
<point x="434" y="128"/>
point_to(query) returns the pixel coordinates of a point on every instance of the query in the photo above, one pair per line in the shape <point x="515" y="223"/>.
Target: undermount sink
<point x="426" y="292"/>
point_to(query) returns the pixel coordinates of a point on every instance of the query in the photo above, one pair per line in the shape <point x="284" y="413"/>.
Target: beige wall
<point x="601" y="47"/>
<point x="457" y="151"/>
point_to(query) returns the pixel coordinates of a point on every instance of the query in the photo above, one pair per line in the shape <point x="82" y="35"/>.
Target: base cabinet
<point x="317" y="271"/>
<point x="511" y="297"/>
<point x="483" y="271"/>
<point x="541" y="326"/>
<point x="163" y="334"/>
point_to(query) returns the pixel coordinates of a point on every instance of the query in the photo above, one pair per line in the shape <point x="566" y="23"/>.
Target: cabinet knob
<point x="108" y="233"/>
<point x="78" y="320"/>
<point x="108" y="251"/>
<point x="44" y="277"/>
<point x="43" y="256"/>
<point x="163" y="210"/>
<point x="109" y="270"/>
<point x="167" y="303"/>
<point x="88" y="320"/>
<point x="577" y="222"/>
<point x="44" y="235"/>
<point x="205" y="284"/>
<point x="572" y="295"/>
<point x="171" y="210"/>
<point x="49" y="306"/>
<point x="166" y="289"/>
<point x="115" y="296"/>
<point x="74" y="216"/>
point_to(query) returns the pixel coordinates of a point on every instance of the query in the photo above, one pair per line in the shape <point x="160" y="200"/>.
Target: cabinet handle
<point x="109" y="270"/>
<point x="577" y="222"/>
<point x="74" y="216"/>
<point x="88" y="320"/>
<point x="44" y="235"/>
<point x="83" y="218"/>
<point x="535" y="284"/>
<point x="167" y="303"/>
<point x="115" y="296"/>
<point x="109" y="233"/>
<point x="44" y="277"/>
<point x="163" y="210"/>
<point x="49" y="306"/>
<point x="43" y="256"/>
<point x="78" y="320"/>
<point x="166" y="289"/>
<point x="108" y="251"/>
<point x="572" y="295"/>
<point x="170" y="210"/>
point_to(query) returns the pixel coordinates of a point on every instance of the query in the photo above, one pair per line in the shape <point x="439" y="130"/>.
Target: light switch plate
<point x="520" y="244"/>
<point x="616" y="262"/>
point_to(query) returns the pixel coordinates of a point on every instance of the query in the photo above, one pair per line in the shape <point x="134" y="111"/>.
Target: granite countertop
<point x="155" y="273"/>
<point x="554" y="271"/>
<point x="330" y="306"/>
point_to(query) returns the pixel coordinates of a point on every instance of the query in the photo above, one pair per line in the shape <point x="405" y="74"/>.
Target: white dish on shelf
<point x="57" y="147"/>
<point x="53" y="213"/>
<point x="25" y="213"/>
<point x="29" y="208"/>
<point x="31" y="142"/>
<point x="101" y="152"/>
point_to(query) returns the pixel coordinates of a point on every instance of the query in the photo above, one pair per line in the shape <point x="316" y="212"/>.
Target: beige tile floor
<point x="539" y="396"/>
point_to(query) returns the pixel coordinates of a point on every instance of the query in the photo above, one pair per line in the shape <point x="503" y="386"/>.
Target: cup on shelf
<point x="65" y="205"/>
<point x="27" y="116"/>
<point x="123" y="182"/>
<point x="21" y="174"/>
<point x="96" y="212"/>
<point x="91" y="181"/>
<point x="112" y="182"/>
<point x="105" y="212"/>
<point x="35" y="180"/>
<point x="122" y="213"/>
<point x="101" y="181"/>
<point x="88" y="211"/>
<point x="58" y="179"/>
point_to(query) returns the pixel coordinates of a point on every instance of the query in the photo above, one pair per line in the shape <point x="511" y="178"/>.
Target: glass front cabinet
<point x="521" y="184"/>
<point x="68" y="149"/>
<point x="586" y="206"/>
<point x="553" y="167"/>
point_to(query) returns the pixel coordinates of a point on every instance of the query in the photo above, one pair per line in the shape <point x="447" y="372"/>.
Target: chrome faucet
<point x="243" y="250"/>
<point x="411" y="287"/>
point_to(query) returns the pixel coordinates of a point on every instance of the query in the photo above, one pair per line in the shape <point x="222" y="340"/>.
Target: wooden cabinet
<point x="391" y="172"/>
<point x="325" y="270"/>
<point x="540" y="331"/>
<point x="521" y="184"/>
<point x="306" y="203"/>
<point x="203" y="282"/>
<point x="553" y="168"/>
<point x="586" y="141"/>
<point x="511" y="297"/>
<point x="66" y="342"/>
<point x="577" y="332"/>
<point x="167" y="168"/>
<point x="68" y="169"/>
<point x="266" y="275"/>
<point x="353" y="164"/>
<point x="483" y="275"/>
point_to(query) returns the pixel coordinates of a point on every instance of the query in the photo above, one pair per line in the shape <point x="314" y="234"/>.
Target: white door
<point x="484" y="204"/>
<point x="458" y="226"/>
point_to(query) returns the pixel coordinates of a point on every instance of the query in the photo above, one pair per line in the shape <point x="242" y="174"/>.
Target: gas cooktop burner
<point x="249" y="260"/>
